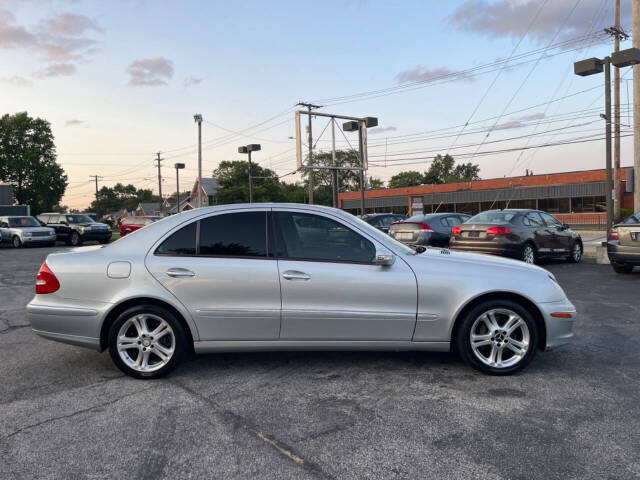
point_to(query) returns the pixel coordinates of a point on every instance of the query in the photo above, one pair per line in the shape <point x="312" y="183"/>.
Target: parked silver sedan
<point x="292" y="277"/>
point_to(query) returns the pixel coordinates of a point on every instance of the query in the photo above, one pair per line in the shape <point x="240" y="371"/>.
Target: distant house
<point x="185" y="204"/>
<point x="152" y="209"/>
<point x="209" y="192"/>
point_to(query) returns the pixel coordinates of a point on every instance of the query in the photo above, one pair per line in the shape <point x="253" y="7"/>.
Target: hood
<point x="476" y="259"/>
<point x="34" y="229"/>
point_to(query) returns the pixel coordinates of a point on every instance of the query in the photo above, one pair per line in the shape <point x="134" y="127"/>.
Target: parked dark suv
<point x="524" y="234"/>
<point x="76" y="228"/>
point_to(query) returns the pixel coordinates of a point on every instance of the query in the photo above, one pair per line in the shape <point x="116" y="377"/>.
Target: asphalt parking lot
<point x="67" y="412"/>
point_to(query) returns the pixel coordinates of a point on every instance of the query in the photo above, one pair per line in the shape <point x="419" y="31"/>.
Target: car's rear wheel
<point x="75" y="239"/>
<point x="147" y="342"/>
<point x="622" y="268"/>
<point x="528" y="253"/>
<point x="498" y="337"/>
<point x="576" y="253"/>
<point x="16" y="242"/>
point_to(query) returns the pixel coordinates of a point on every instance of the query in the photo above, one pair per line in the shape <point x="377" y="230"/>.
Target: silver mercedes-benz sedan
<point x="292" y="277"/>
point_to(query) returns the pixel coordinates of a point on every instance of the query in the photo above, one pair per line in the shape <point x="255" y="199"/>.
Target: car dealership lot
<point x="68" y="412"/>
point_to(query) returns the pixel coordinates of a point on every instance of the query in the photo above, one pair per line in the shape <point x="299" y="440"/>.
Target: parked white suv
<point x="19" y="231"/>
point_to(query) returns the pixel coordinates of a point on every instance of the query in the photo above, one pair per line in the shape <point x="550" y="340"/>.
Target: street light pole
<point x="254" y="147"/>
<point x="178" y="166"/>
<point x="250" y="179"/>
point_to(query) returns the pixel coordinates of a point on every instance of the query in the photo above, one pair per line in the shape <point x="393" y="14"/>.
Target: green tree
<point x="28" y="161"/>
<point x="375" y="183"/>
<point x="109" y="199"/>
<point x="410" y="178"/>
<point x="444" y="170"/>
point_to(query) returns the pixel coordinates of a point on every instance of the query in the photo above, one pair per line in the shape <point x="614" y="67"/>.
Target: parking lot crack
<point x="73" y="414"/>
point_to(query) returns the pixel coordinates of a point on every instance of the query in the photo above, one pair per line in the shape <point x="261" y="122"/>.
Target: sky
<point x="121" y="80"/>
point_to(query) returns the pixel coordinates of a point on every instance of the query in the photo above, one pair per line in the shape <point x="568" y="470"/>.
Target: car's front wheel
<point x="75" y="239"/>
<point x="147" y="342"/>
<point x="498" y="337"/>
<point x="576" y="253"/>
<point x="16" y="242"/>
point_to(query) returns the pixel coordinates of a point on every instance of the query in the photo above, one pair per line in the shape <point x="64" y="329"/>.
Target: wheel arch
<point x="523" y="301"/>
<point x="132" y="302"/>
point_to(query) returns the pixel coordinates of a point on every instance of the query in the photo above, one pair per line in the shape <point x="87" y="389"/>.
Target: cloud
<point x="511" y="18"/>
<point x="533" y="116"/>
<point x="70" y="24"/>
<point x="373" y="131"/>
<point x="520" y="121"/>
<point x="17" y="80"/>
<point x="150" y="71"/>
<point x="75" y="121"/>
<point x="60" y="39"/>
<point x="422" y="74"/>
<point x="191" y="81"/>
<point x="56" y="70"/>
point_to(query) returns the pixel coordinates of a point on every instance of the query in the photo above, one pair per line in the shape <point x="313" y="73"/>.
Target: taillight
<point x="498" y="231"/>
<point x="46" y="281"/>
<point x="425" y="228"/>
<point x="613" y="234"/>
<point x="456" y="230"/>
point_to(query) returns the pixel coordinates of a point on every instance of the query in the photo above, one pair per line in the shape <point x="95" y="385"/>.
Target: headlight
<point x="27" y="234"/>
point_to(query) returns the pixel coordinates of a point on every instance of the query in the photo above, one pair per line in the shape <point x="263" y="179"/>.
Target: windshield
<point x="79" y="219"/>
<point x="23" y="222"/>
<point x="493" y="216"/>
<point x="383" y="237"/>
<point x="635" y="218"/>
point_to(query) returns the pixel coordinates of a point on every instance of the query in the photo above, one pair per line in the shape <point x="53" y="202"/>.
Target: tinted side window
<point x="312" y="237"/>
<point x="533" y="220"/>
<point x="234" y="234"/>
<point x="183" y="242"/>
<point x="550" y="221"/>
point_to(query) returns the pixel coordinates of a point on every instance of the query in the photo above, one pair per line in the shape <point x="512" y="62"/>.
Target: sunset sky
<point x="121" y="80"/>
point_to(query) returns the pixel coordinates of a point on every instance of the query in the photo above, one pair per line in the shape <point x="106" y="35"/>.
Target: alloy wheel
<point x="576" y="252"/>
<point x="528" y="255"/>
<point x="75" y="239"/>
<point x="500" y="338"/>
<point x="16" y="242"/>
<point x="146" y="342"/>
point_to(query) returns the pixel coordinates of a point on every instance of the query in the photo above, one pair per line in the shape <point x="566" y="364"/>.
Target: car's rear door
<point x="332" y="290"/>
<point x="561" y="237"/>
<point x="540" y="233"/>
<point x="229" y="281"/>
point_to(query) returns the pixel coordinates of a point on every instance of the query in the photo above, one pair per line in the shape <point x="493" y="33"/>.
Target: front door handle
<point x="180" y="273"/>
<point x="295" y="275"/>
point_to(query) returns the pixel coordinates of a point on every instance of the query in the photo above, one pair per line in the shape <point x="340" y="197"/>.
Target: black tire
<point x="622" y="268"/>
<point x="575" y="256"/>
<point x="463" y="337"/>
<point x="180" y="347"/>
<point x="16" y="242"/>
<point x="75" y="239"/>
<point x="528" y="253"/>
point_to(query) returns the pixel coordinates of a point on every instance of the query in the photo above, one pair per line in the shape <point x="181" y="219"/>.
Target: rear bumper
<point x="501" y="247"/>
<point x="559" y="330"/>
<point x="623" y="254"/>
<point x="75" y="325"/>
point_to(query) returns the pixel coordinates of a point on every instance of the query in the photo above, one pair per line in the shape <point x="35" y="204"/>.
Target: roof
<point x="150" y="207"/>
<point x="209" y="185"/>
<point x="583" y="176"/>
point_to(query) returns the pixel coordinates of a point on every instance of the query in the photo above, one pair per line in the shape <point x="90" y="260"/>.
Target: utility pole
<point x="617" y="33"/>
<point x="310" y="107"/>
<point x="159" y="160"/>
<point x="334" y="172"/>
<point x="635" y="17"/>
<point x="96" y="178"/>
<point x="198" y="119"/>
<point x="607" y="103"/>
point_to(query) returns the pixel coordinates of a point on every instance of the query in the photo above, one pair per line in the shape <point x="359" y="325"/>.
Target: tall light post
<point x="178" y="166"/>
<point x="591" y="66"/>
<point x="198" y="119"/>
<point x="253" y="147"/>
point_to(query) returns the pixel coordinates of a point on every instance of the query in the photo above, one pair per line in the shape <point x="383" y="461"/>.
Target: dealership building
<point x="573" y="197"/>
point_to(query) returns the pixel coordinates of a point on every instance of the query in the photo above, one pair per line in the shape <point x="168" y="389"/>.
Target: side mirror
<point x="566" y="226"/>
<point x="385" y="259"/>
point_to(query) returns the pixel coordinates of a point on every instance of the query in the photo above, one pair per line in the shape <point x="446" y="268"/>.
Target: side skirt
<point x="296" y="345"/>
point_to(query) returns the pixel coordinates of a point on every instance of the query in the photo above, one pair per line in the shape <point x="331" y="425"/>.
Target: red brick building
<point x="576" y="197"/>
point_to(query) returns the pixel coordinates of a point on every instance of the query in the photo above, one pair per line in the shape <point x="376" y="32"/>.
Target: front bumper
<point x="623" y="254"/>
<point x="37" y="240"/>
<point x="99" y="235"/>
<point x="559" y="330"/>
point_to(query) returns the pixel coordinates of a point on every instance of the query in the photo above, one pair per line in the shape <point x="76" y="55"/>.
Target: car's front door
<point x="540" y="233"/>
<point x="227" y="279"/>
<point x="331" y="287"/>
<point x="561" y="237"/>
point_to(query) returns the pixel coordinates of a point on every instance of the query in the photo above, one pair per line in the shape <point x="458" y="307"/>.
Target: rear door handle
<point x="180" y="273"/>
<point x="295" y="275"/>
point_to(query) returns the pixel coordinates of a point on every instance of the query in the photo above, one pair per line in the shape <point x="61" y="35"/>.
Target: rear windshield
<point x="497" y="216"/>
<point x="635" y="218"/>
